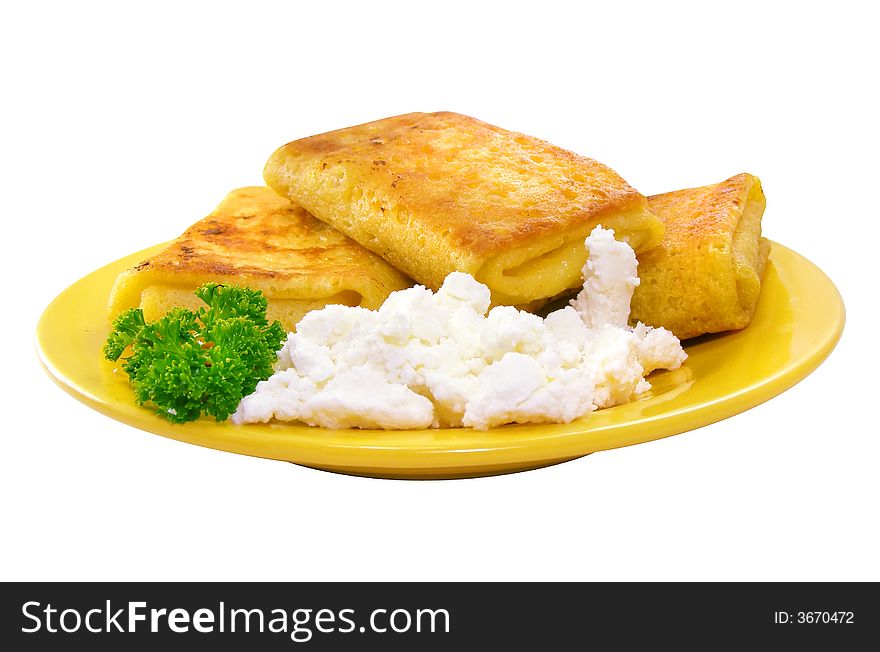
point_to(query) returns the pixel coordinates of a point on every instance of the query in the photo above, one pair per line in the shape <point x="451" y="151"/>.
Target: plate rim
<point x="420" y="459"/>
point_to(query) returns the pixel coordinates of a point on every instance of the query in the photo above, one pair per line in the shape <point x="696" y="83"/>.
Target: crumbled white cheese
<point x="438" y="359"/>
<point x="610" y="279"/>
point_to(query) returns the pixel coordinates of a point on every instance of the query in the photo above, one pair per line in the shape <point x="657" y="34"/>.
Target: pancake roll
<point x="257" y="239"/>
<point x="705" y="276"/>
<point x="434" y="193"/>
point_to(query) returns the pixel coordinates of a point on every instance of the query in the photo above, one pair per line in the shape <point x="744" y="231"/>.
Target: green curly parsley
<point x="189" y="362"/>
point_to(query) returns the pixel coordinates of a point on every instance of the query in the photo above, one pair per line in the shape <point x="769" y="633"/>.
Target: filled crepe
<point x="705" y="276"/>
<point x="434" y="193"/>
<point x="257" y="239"/>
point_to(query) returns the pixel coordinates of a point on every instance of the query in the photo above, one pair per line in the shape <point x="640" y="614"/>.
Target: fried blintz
<point x="705" y="276"/>
<point x="257" y="239"/>
<point x="434" y="193"/>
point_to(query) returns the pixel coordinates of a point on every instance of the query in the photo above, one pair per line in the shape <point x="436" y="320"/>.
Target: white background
<point x="122" y="126"/>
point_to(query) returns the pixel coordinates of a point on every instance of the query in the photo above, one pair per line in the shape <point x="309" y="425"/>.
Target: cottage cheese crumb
<point x="438" y="359"/>
<point x="609" y="281"/>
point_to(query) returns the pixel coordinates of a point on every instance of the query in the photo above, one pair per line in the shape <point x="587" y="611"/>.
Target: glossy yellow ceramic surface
<point x="798" y="321"/>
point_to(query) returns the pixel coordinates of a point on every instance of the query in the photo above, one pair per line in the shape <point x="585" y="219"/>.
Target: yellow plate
<point x="798" y="321"/>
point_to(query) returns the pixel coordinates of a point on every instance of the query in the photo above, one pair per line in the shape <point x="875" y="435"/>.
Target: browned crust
<point x="699" y="217"/>
<point x="256" y="233"/>
<point x="468" y="186"/>
<point x="258" y="239"/>
<point x="705" y="276"/>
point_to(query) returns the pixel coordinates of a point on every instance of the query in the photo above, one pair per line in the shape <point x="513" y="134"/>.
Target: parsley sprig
<point x="205" y="361"/>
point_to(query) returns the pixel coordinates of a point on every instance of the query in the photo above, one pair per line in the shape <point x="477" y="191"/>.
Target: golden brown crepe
<point x="705" y="276"/>
<point x="257" y="239"/>
<point x="434" y="193"/>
